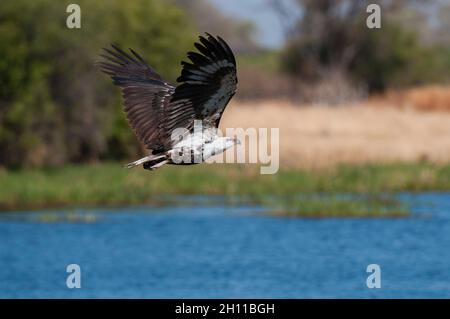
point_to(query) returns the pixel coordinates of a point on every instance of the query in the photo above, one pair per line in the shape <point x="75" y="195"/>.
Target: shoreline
<point x="109" y="185"/>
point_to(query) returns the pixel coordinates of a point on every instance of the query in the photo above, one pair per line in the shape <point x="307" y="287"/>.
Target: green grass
<point x="332" y="205"/>
<point x="110" y="184"/>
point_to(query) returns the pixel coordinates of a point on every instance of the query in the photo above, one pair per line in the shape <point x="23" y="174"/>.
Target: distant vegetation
<point x="110" y="184"/>
<point x="55" y="106"/>
<point x="340" y="205"/>
<point x="330" y="55"/>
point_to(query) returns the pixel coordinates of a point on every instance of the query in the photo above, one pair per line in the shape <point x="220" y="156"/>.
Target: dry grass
<point x="429" y="98"/>
<point x="320" y="136"/>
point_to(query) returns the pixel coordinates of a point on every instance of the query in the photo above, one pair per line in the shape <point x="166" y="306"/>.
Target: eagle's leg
<point x="147" y="159"/>
<point x="152" y="165"/>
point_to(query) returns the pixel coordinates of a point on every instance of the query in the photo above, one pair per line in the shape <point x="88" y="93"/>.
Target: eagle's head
<point x="231" y="141"/>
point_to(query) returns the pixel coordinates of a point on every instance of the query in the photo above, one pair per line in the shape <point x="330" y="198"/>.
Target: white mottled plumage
<point x="200" y="146"/>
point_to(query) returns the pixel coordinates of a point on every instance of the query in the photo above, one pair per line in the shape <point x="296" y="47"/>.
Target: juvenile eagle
<point x="155" y="108"/>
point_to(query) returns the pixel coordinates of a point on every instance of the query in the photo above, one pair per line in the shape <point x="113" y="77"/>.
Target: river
<point x="223" y="251"/>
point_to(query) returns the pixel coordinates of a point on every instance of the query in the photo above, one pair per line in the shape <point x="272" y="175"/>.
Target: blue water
<point x="226" y="252"/>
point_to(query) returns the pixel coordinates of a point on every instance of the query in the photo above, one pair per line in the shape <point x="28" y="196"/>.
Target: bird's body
<point x="194" y="149"/>
<point x="164" y="116"/>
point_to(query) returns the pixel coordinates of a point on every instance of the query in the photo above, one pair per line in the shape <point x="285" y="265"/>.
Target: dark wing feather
<point x="209" y="81"/>
<point x="146" y="99"/>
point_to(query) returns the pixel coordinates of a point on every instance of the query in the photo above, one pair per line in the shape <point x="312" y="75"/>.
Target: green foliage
<point x="111" y="184"/>
<point x="388" y="57"/>
<point x="55" y="106"/>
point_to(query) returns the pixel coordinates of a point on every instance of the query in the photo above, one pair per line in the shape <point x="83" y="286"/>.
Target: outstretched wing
<point x="146" y="99"/>
<point x="209" y="81"/>
<point x="155" y="108"/>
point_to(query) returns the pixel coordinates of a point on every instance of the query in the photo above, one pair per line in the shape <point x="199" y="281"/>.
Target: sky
<point x="268" y="24"/>
<point x="269" y="28"/>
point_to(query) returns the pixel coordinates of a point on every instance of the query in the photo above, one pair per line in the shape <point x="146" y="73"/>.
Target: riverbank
<point x="109" y="184"/>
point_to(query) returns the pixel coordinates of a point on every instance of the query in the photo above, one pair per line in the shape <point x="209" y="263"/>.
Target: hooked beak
<point x="236" y="141"/>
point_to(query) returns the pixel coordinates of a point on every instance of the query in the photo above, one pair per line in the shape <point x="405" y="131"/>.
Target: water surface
<point x="223" y="251"/>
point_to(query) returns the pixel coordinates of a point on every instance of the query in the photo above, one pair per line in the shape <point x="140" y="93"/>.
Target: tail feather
<point x="145" y="160"/>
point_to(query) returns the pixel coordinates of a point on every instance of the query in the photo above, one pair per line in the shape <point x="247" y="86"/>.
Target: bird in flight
<point x="178" y="125"/>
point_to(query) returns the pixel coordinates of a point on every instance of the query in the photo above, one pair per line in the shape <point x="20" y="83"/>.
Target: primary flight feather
<point x="155" y="108"/>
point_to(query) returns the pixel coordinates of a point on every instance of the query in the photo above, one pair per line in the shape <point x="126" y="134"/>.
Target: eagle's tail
<point x="149" y="161"/>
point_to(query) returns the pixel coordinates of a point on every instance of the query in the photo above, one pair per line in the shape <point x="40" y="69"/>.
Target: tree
<point x="55" y="106"/>
<point x="331" y="36"/>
